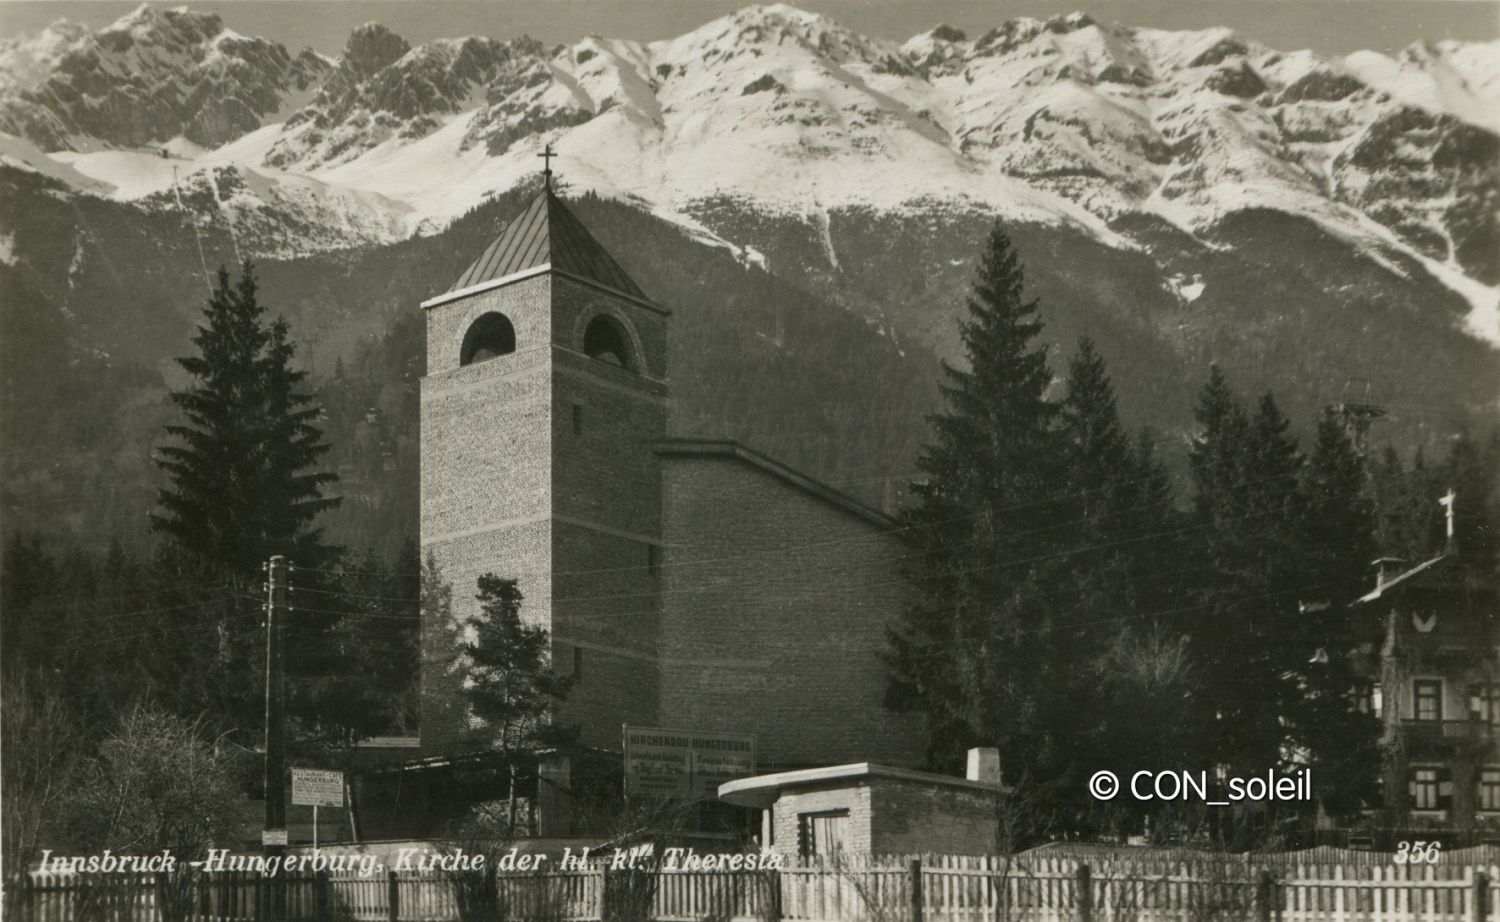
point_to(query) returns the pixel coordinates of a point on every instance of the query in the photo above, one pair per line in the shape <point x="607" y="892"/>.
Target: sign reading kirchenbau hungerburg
<point x="683" y="763"/>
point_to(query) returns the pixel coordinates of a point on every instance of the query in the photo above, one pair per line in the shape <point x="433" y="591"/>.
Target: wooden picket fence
<point x="902" y="888"/>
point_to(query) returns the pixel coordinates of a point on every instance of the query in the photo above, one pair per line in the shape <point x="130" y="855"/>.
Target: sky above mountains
<point x="1327" y="26"/>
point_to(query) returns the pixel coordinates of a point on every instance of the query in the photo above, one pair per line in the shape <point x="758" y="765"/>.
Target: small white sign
<point x="273" y="837"/>
<point x="312" y="788"/>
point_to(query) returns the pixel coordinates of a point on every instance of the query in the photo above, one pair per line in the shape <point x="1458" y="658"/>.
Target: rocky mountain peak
<point x="756" y="31"/>
<point x="1069" y="22"/>
<point x="150" y="76"/>
<point x="26" y="62"/>
<point x="147" y="22"/>
<point x="372" y="47"/>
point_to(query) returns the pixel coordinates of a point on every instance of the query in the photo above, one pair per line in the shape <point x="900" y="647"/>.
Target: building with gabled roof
<point x="1432" y="672"/>
<point x="689" y="583"/>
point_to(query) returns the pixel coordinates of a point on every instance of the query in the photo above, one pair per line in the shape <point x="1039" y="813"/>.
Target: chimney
<point x="984" y="766"/>
<point x="1387" y="569"/>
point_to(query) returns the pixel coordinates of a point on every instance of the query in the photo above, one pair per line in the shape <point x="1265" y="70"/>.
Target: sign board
<point x="312" y="788"/>
<point x="273" y="837"/>
<point x="683" y="763"/>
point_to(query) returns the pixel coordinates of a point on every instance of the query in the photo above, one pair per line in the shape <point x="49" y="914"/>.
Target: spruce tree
<point x="1409" y="523"/>
<point x="241" y="485"/>
<point x="1245" y="476"/>
<point x="1120" y="522"/>
<point x="1100" y="464"/>
<point x="1338" y="543"/>
<point x="242" y="482"/>
<point x="1121" y="504"/>
<point x="1284" y="544"/>
<point x="1158" y="579"/>
<point x="969" y="653"/>
<point x="1340" y="523"/>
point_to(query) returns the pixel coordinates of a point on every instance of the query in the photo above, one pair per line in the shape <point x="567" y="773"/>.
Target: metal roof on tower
<point x="548" y="234"/>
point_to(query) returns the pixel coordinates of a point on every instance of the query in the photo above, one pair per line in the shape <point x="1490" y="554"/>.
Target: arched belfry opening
<point x="606" y="340"/>
<point x="489" y="336"/>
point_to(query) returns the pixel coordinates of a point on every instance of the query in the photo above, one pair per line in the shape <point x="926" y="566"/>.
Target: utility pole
<point x="273" y="838"/>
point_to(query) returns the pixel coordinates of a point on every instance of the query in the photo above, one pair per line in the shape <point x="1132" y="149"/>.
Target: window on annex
<point x="823" y="833"/>
<point x="606" y="340"/>
<point x="1427" y="699"/>
<point x="489" y="336"/>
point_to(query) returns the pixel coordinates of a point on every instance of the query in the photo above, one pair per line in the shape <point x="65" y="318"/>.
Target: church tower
<point x="544" y="398"/>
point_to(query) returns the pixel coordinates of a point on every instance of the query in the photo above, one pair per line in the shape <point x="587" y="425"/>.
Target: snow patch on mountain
<point x="131" y="174"/>
<point x="1187" y="288"/>
<point x="1456" y="78"/>
<point x="22" y="154"/>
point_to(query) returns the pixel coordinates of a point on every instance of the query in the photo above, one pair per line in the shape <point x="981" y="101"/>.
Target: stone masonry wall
<point x="790" y="806"/>
<point x="910" y="817"/>
<point x="774" y="615"/>
<point x="486" y="479"/>
<point x="893" y="817"/>
<point x="606" y="503"/>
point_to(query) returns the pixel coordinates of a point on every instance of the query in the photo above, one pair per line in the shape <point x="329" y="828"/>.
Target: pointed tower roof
<point x="547" y="234"/>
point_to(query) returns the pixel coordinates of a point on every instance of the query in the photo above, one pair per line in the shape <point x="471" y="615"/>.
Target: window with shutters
<point x="822" y="833"/>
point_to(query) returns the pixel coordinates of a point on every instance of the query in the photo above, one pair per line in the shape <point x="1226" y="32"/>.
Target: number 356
<point x="1418" y="853"/>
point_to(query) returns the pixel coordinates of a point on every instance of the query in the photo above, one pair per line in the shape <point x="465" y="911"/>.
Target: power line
<point x="113" y="615"/>
<point x="120" y="638"/>
<point x="864" y="587"/>
<point x="95" y="600"/>
<point x="872" y="536"/>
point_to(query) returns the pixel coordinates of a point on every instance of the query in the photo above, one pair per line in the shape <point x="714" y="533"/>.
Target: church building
<point x="686" y="583"/>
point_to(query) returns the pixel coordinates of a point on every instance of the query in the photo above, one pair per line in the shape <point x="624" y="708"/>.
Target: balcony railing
<point x="1467" y="730"/>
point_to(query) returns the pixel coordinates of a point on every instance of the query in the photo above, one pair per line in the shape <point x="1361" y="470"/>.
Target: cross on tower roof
<point x="1446" y="501"/>
<point x="547" y="154"/>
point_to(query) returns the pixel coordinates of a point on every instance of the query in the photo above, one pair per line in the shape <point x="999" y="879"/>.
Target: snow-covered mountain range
<point x="1118" y="133"/>
<point x="809" y="200"/>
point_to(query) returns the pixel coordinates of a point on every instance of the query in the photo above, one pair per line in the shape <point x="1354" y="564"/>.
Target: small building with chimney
<point x="869" y="808"/>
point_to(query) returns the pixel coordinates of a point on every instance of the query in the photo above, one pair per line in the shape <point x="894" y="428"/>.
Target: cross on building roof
<point x="548" y="234"/>
<point x="547" y="154"/>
